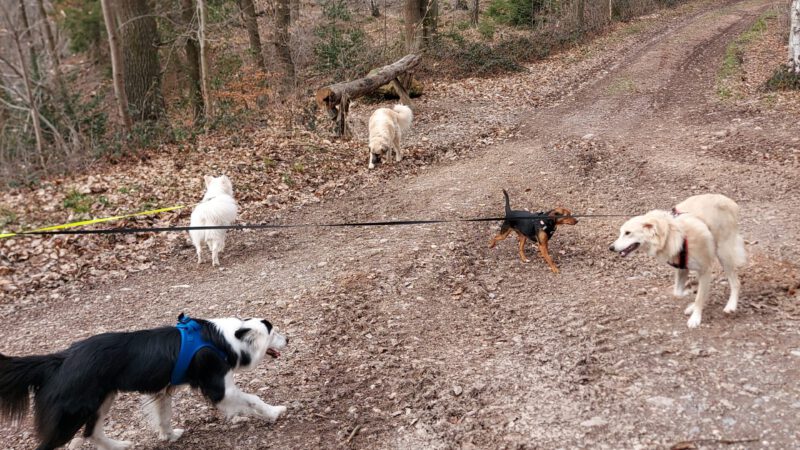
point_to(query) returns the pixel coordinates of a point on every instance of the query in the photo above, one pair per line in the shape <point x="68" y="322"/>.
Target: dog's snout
<point x="286" y="338"/>
<point x="611" y="247"/>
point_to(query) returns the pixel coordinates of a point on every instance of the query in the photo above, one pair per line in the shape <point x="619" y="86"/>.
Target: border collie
<point x="75" y="388"/>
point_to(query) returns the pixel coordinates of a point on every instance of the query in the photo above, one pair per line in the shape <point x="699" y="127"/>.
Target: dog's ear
<point x="267" y="324"/>
<point x="650" y="229"/>
<point x="207" y="179"/>
<point x="242" y="332"/>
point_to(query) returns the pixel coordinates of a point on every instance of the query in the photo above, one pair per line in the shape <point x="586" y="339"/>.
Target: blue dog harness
<point x="191" y="342"/>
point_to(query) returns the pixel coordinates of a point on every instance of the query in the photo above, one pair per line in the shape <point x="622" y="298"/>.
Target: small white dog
<point x="217" y="208"/>
<point x="386" y="128"/>
<point x="699" y="230"/>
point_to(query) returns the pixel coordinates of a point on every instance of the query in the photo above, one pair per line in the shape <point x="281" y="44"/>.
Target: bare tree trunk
<point x="116" y="63"/>
<point x="202" y="14"/>
<point x="294" y="15"/>
<point x="35" y="72"/>
<point x="192" y="60"/>
<point x="460" y="4"/>
<point x="56" y="59"/>
<point x="421" y="22"/>
<point x="282" y="50"/>
<point x="373" y="7"/>
<point x="48" y="33"/>
<point x="794" y="37"/>
<point x="430" y="21"/>
<point x="31" y="98"/>
<point x="413" y="13"/>
<point x="251" y="24"/>
<point x="476" y="11"/>
<point x="581" y="15"/>
<point x="610" y="10"/>
<point x="140" y="41"/>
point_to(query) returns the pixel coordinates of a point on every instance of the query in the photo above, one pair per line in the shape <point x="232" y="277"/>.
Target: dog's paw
<point x="276" y="412"/>
<point x="173" y="436"/>
<point x="116" y="445"/>
<point x="75" y="444"/>
<point x="689" y="309"/>
<point x="694" y="320"/>
<point x="680" y="292"/>
<point x="730" y="308"/>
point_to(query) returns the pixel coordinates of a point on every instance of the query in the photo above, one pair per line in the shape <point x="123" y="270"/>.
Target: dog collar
<point x="683" y="256"/>
<point x="191" y="342"/>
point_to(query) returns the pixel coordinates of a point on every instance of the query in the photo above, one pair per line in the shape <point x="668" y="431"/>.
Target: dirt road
<point x="424" y="338"/>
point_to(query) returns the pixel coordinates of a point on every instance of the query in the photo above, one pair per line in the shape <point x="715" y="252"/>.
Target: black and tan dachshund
<point x="536" y="226"/>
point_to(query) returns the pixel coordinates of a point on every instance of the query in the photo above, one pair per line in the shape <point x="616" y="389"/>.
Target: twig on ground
<point x="689" y="445"/>
<point x="353" y="434"/>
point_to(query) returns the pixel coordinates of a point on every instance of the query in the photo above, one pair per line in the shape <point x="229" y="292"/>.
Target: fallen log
<point x="334" y="98"/>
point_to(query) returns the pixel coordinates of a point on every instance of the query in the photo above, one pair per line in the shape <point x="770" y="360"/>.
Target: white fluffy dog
<point x="699" y="229"/>
<point x="217" y="208"/>
<point x="386" y="128"/>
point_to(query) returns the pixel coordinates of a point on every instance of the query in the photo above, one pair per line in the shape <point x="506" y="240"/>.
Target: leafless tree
<point x="18" y="36"/>
<point x="281" y="43"/>
<point x="202" y="15"/>
<point x="251" y="25"/>
<point x="794" y="37"/>
<point x="192" y="51"/>
<point x="117" y="73"/>
<point x="421" y="22"/>
<point x="141" y="66"/>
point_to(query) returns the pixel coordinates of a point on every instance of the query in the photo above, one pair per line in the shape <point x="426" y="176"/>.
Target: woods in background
<point x="82" y="79"/>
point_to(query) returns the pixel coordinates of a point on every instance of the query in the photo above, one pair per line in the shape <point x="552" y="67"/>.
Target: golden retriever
<point x="386" y="128"/>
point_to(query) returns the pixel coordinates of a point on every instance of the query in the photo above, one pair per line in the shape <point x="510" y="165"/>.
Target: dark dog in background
<point x="536" y="226"/>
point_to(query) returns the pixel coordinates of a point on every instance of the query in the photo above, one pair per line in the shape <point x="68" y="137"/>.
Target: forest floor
<point x="422" y="337"/>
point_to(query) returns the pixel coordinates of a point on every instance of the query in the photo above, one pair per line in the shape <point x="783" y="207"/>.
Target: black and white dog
<point x="76" y="387"/>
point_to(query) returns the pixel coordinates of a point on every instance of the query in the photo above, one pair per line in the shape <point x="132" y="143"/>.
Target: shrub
<point x="341" y="49"/>
<point x="514" y="12"/>
<point x="83" y="22"/>
<point x="486" y="28"/>
<point x="783" y="80"/>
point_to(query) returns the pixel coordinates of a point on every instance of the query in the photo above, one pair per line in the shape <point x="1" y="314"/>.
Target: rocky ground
<point x="422" y="337"/>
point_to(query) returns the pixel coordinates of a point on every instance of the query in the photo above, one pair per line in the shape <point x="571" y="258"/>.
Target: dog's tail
<point x="404" y="116"/>
<point x="19" y="377"/>
<point x="741" y="254"/>
<point x="508" y="202"/>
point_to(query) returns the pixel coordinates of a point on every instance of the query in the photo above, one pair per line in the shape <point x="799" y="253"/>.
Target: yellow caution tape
<point x="94" y="221"/>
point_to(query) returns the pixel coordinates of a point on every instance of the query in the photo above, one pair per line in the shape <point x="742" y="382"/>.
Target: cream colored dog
<point x="386" y="128"/>
<point x="699" y="229"/>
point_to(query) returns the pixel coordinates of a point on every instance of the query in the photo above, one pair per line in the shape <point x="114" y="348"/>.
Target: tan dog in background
<point x="386" y="128"/>
<point x="699" y="230"/>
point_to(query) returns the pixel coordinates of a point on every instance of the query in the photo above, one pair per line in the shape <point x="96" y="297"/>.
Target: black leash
<point x="264" y="226"/>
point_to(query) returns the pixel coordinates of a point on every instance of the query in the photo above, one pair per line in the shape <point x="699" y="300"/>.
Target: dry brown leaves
<point x="272" y="169"/>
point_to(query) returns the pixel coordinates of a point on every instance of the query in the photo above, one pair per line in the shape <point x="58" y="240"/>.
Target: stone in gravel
<point x="661" y="401"/>
<point x="588" y="137"/>
<point x="594" y="422"/>
<point x="457" y="390"/>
